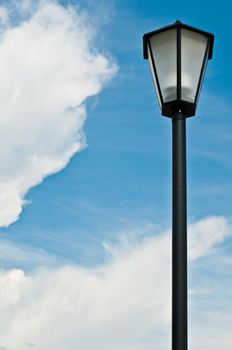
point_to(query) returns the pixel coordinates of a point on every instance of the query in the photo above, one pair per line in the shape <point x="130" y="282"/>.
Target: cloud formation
<point x="48" y="68"/>
<point x="12" y="255"/>
<point x="124" y="304"/>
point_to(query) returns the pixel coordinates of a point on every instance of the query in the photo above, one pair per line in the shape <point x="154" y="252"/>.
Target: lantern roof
<point x="177" y="24"/>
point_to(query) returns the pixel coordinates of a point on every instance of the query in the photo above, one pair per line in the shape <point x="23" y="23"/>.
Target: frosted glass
<point x="153" y="75"/>
<point x="193" y="47"/>
<point x="164" y="52"/>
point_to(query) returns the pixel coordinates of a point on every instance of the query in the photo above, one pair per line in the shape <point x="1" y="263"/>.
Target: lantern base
<point x="169" y="109"/>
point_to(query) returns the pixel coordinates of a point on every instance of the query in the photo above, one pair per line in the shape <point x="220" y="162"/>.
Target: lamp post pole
<point x="179" y="234"/>
<point x="178" y="56"/>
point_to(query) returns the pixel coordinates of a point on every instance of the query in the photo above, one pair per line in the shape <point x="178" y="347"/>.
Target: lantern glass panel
<point x="193" y="48"/>
<point x="151" y="65"/>
<point x="164" y="51"/>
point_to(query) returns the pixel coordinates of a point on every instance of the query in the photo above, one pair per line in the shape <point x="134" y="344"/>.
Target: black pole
<point x="179" y="235"/>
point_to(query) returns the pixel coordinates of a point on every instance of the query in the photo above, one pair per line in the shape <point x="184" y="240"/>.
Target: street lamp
<point x="178" y="56"/>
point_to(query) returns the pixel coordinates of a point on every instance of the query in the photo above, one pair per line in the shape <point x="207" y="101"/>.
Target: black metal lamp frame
<point x="187" y="108"/>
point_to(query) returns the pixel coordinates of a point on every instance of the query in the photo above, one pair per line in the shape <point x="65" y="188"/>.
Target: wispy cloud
<point x="22" y="256"/>
<point x="124" y="303"/>
<point x="49" y="66"/>
<point x="205" y="234"/>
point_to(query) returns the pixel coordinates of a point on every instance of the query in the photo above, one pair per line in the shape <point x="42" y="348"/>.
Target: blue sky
<point x="115" y="194"/>
<point x="124" y="176"/>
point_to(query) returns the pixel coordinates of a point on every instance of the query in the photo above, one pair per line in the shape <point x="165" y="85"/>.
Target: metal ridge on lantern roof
<point x="176" y="25"/>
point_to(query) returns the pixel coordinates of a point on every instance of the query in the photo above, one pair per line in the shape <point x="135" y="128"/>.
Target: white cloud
<point x="124" y="304"/>
<point x="48" y="68"/>
<point x="205" y="234"/>
<point x="4" y="17"/>
<point x="24" y="256"/>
